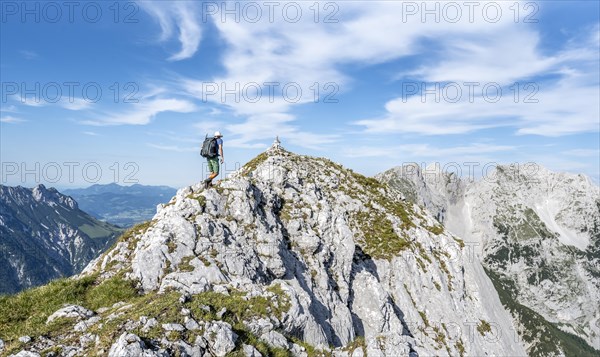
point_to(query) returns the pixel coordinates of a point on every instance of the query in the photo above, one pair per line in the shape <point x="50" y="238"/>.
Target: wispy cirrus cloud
<point x="181" y="17"/>
<point x="563" y="105"/>
<point x="141" y="113"/>
<point x="9" y="109"/>
<point x="76" y="104"/>
<point x="66" y="102"/>
<point x="175" y="148"/>
<point x="11" y="120"/>
<point x="582" y="152"/>
<point x="425" y="150"/>
<point x="245" y="134"/>
<point x="28" y="55"/>
<point x="308" y="52"/>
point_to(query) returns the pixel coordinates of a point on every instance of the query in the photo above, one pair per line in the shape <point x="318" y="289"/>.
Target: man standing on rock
<point x="212" y="157"/>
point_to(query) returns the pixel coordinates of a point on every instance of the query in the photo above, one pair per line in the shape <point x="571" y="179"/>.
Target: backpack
<point x="209" y="147"/>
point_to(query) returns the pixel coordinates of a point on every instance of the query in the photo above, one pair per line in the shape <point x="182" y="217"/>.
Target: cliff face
<point x="538" y="235"/>
<point x="291" y="255"/>
<point x="45" y="236"/>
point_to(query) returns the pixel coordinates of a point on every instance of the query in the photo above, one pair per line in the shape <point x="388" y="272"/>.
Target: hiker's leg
<point x="213" y="165"/>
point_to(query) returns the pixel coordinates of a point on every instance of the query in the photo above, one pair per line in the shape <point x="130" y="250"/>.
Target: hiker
<point x="212" y="149"/>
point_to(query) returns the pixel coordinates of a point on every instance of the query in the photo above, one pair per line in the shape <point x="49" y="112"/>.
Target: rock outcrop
<point x="296" y="254"/>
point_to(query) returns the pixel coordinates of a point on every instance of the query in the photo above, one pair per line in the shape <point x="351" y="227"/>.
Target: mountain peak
<point x="45" y="236"/>
<point x="51" y="195"/>
<point x="344" y="250"/>
<point x="39" y="192"/>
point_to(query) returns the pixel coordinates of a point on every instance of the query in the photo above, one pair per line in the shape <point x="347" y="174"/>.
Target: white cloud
<point x="75" y="104"/>
<point x="502" y="57"/>
<point x="11" y="120"/>
<point x="566" y="105"/>
<point x="582" y="153"/>
<point x="268" y="126"/>
<point x="70" y="103"/>
<point x="28" y="55"/>
<point x="308" y="52"/>
<point x="207" y="127"/>
<point x="170" y="135"/>
<point x="174" y="148"/>
<point x="181" y="15"/>
<point x="90" y="133"/>
<point x="424" y="150"/>
<point x="9" y="109"/>
<point x="142" y="112"/>
<point x="33" y="101"/>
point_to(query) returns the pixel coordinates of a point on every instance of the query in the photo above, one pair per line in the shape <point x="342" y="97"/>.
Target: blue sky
<point x="396" y="84"/>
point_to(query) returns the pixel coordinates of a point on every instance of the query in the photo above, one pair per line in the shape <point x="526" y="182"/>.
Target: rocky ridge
<point x="292" y="255"/>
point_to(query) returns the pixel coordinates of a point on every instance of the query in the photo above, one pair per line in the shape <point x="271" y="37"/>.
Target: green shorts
<point x="213" y="164"/>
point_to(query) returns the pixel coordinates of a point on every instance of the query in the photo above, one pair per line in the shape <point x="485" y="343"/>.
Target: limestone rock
<point x="250" y="351"/>
<point x="130" y="345"/>
<point x="221" y="339"/>
<point x="24" y="339"/>
<point x="26" y="354"/>
<point x="72" y="312"/>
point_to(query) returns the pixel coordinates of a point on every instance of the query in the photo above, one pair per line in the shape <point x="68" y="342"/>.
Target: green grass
<point x="253" y="164"/>
<point x="424" y="318"/>
<point x="132" y="235"/>
<point x="440" y="338"/>
<point x="460" y="347"/>
<point x="379" y="239"/>
<point x="239" y="309"/>
<point x="284" y="212"/>
<point x="200" y="198"/>
<point x="98" y="231"/>
<point x="185" y="266"/>
<point x="26" y="313"/>
<point x="444" y="267"/>
<point x="171" y="245"/>
<point x="359" y="342"/>
<point x="460" y="242"/>
<point x="483" y="327"/>
<point x="246" y="337"/>
<point x="437" y="229"/>
<point x="311" y="351"/>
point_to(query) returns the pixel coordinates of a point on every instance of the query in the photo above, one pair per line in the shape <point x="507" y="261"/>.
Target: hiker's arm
<point x="221" y="153"/>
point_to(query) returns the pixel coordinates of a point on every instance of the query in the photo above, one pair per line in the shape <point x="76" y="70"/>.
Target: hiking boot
<point x="207" y="183"/>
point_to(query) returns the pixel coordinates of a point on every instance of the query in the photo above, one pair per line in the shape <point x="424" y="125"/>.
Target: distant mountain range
<point x="121" y="205"/>
<point x="45" y="236"/>
<point x="538" y="237"/>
